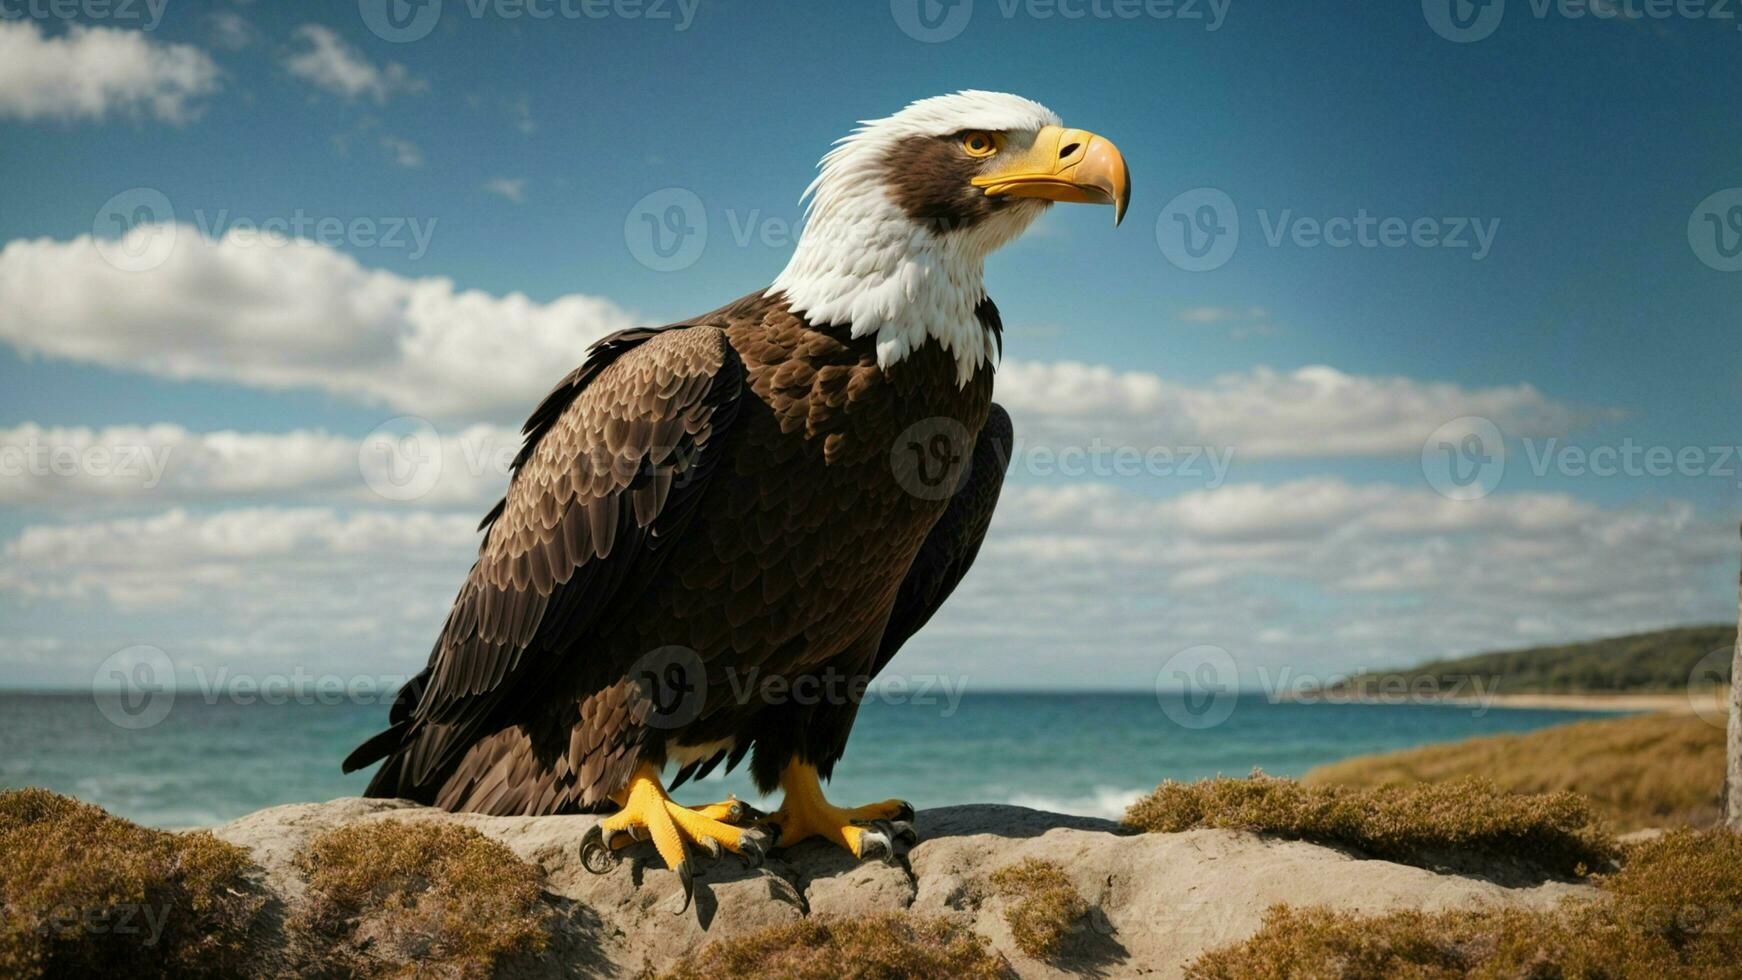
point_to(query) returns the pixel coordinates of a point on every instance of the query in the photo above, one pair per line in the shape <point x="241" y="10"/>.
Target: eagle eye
<point x="980" y="144"/>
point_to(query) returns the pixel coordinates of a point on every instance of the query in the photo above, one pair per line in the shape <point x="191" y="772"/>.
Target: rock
<point x="1159" y="899"/>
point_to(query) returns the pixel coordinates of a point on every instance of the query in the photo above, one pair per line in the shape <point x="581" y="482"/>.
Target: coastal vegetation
<point x="410" y="897"/>
<point x="1422" y="823"/>
<point x="1044" y="905"/>
<point x="1673" y="909"/>
<point x="82" y="892"/>
<point x="879" y="947"/>
<point x="1637" y="771"/>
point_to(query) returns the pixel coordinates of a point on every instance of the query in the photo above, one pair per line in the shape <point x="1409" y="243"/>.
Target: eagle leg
<point x="648" y="813"/>
<point x="866" y="831"/>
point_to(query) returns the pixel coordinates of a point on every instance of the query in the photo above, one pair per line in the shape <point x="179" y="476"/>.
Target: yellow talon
<point x="805" y="813"/>
<point x="648" y="813"/>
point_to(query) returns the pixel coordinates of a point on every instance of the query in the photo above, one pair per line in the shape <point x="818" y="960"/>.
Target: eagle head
<point x="905" y="209"/>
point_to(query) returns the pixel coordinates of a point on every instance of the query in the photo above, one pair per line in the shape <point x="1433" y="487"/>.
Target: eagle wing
<point x="954" y="541"/>
<point x="615" y="459"/>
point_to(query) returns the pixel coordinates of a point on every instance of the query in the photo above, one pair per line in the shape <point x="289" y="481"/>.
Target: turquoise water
<point x="206" y="763"/>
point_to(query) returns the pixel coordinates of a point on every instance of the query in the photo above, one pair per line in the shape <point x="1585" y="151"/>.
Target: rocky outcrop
<point x="1158" y="899"/>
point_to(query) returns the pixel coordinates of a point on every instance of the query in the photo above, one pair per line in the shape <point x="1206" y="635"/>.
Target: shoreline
<point x="1680" y="703"/>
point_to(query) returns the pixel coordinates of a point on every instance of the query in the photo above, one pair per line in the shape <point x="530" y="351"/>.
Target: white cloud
<point x="273" y="314"/>
<point x="405" y="152"/>
<point x="1313" y="411"/>
<point x="512" y="188"/>
<point x="1315" y="575"/>
<point x="92" y="72"/>
<point x="1076" y="581"/>
<point x="230" y="30"/>
<point x="328" y="63"/>
<point x="179" y="558"/>
<point x="70" y="467"/>
<point x="1221" y="314"/>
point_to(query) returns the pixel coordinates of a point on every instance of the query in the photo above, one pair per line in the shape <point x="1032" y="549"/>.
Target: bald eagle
<point x="710" y="518"/>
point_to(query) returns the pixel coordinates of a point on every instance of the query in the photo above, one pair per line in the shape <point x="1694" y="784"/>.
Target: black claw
<point x="688" y="877"/>
<point x="596" y="853"/>
<point x="904" y="831"/>
<point x="904" y="813"/>
<point x="713" y="847"/>
<point x="875" y="844"/>
<point x="753" y="846"/>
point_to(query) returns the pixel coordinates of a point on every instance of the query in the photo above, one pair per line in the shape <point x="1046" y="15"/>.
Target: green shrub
<point x="1674" y="909"/>
<point x="1044" y="905"/>
<point x="84" y="892"/>
<point x="399" y="897"/>
<point x="893" y="946"/>
<point x="1553" y="831"/>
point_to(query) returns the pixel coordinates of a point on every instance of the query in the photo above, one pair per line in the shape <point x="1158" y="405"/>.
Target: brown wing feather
<point x="954" y="541"/>
<point x="614" y="461"/>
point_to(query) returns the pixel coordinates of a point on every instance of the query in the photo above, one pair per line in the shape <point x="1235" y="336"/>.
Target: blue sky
<point x="524" y="148"/>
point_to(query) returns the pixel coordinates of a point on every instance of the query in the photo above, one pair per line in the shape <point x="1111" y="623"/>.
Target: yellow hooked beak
<point x="1072" y="165"/>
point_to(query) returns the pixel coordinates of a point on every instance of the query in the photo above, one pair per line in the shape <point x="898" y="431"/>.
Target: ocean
<point x="208" y="762"/>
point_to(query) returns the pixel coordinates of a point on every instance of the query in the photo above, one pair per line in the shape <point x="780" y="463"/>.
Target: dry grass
<point x="84" y="892"/>
<point x="884" y="947"/>
<point x="1674" y="909"/>
<point x="409" y="897"/>
<point x="1425" y="822"/>
<point x="1044" y="905"/>
<point x="1642" y="771"/>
